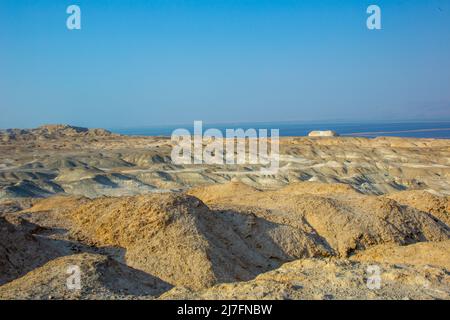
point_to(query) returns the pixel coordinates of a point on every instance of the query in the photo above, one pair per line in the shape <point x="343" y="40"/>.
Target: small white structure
<point x="326" y="133"/>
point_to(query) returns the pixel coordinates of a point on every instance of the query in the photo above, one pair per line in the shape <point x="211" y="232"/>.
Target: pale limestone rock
<point x="326" y="133"/>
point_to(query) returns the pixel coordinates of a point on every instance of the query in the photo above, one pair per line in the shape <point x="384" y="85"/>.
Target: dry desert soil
<point x="140" y="227"/>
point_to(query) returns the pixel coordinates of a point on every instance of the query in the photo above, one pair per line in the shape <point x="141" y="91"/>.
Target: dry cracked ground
<point x="340" y="214"/>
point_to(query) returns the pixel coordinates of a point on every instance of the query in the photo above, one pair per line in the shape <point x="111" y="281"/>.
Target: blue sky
<point x="138" y="63"/>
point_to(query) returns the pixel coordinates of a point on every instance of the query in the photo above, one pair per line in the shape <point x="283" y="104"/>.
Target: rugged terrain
<point x="140" y="227"/>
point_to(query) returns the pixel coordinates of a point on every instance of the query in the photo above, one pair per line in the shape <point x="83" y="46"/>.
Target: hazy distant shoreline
<point x="141" y="226"/>
<point x="434" y="130"/>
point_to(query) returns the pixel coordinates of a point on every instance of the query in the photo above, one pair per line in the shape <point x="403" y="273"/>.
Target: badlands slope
<point x="140" y="227"/>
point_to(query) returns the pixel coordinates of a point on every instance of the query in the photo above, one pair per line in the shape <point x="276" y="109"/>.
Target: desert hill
<point x="141" y="227"/>
<point x="102" y="278"/>
<point x="344" y="218"/>
<point x="182" y="241"/>
<point x="198" y="248"/>
<point x="329" y="279"/>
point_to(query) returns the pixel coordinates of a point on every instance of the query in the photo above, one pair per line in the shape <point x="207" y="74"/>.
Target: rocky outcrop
<point x="20" y="250"/>
<point x="329" y="279"/>
<point x="348" y="220"/>
<point x="307" y="240"/>
<point x="100" y="278"/>
<point x="180" y="240"/>
<point x="435" y="254"/>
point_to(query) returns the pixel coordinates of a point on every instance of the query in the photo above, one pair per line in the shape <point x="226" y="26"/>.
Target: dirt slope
<point x="293" y="242"/>
<point x="20" y="251"/>
<point x="330" y="279"/>
<point x="179" y="239"/>
<point x="438" y="206"/>
<point x="347" y="220"/>
<point x="424" y="253"/>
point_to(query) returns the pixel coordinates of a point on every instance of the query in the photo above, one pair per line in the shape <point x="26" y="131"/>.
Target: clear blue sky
<point x="137" y="63"/>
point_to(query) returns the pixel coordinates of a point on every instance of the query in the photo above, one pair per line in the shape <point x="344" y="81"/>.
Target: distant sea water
<point x="437" y="130"/>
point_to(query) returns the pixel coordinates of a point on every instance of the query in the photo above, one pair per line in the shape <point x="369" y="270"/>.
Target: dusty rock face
<point x="425" y="253"/>
<point x="437" y="206"/>
<point x="55" y="131"/>
<point x="243" y="234"/>
<point x="140" y="227"/>
<point x="181" y="241"/>
<point x="266" y="238"/>
<point x="347" y="220"/>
